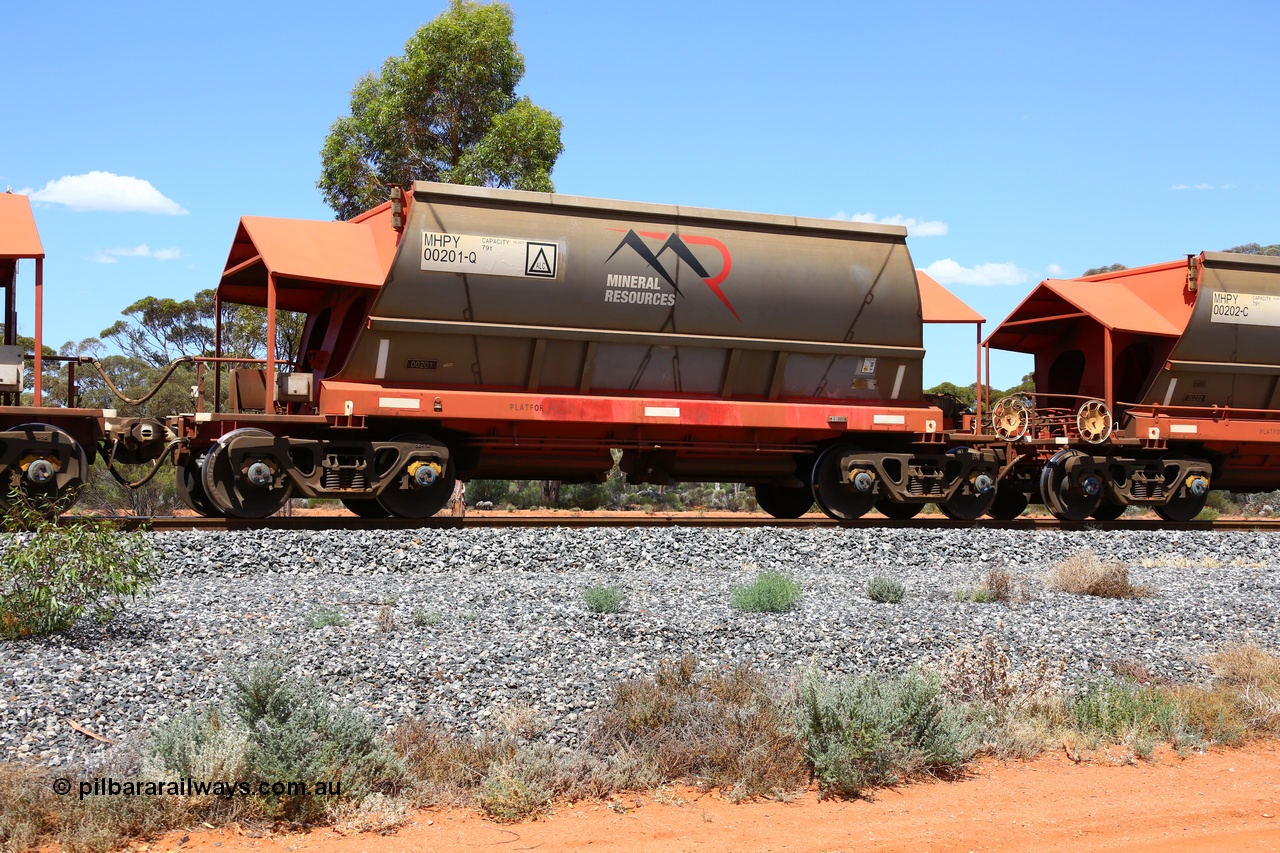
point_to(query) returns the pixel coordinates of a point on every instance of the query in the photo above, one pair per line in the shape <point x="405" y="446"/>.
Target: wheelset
<point x="244" y="485"/>
<point x="1190" y="491"/>
<point x="47" y="480"/>
<point x="838" y="499"/>
<point x="783" y="502"/>
<point x="1068" y="496"/>
<point x="421" y="487"/>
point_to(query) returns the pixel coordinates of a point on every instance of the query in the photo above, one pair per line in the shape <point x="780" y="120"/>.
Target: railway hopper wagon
<point x="460" y="333"/>
<point x="1153" y="385"/>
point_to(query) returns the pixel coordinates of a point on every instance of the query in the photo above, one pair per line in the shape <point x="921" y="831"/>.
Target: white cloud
<point x="915" y="227"/>
<point x="105" y="191"/>
<point x="1056" y="271"/>
<point x="1202" y="187"/>
<point x="140" y="251"/>
<point x="947" y="271"/>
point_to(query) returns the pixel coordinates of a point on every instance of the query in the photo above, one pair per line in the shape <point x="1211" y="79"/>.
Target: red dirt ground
<point x="1222" y="801"/>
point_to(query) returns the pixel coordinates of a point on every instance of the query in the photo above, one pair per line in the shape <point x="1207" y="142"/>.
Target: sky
<point x="1016" y="141"/>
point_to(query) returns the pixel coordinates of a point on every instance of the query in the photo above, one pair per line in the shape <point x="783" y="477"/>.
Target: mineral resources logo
<point x="648" y="290"/>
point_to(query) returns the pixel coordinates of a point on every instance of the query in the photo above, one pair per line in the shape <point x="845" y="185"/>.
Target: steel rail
<point x="587" y="519"/>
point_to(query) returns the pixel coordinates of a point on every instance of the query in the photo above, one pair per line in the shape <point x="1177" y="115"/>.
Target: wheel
<point x="405" y="497"/>
<point x="1010" y="417"/>
<point x="782" y="502"/>
<point x="969" y="502"/>
<point x="1186" y="504"/>
<point x="1093" y="420"/>
<point x="1109" y="510"/>
<point x="899" y="511"/>
<point x="844" y="501"/>
<point x="47" y="481"/>
<point x="1064" y="499"/>
<point x="234" y="492"/>
<point x="191" y="488"/>
<point x="1009" y="503"/>
<point x="366" y="507"/>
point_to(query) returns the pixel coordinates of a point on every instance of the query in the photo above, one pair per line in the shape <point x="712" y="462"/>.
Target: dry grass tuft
<point x="1138" y="673"/>
<point x="1000" y="585"/>
<point x="1254" y="674"/>
<point x="726" y="730"/>
<point x="1085" y="574"/>
<point x="28" y="808"/>
<point x="448" y="768"/>
<point x="983" y="672"/>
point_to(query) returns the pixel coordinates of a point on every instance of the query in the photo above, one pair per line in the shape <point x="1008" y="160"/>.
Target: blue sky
<point x="1019" y="141"/>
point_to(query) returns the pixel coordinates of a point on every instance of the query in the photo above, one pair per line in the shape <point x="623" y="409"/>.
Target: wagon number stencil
<point x="1246" y="309"/>
<point x="478" y="255"/>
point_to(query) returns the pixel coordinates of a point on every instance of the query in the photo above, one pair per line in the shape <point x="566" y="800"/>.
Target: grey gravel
<point x="500" y="622"/>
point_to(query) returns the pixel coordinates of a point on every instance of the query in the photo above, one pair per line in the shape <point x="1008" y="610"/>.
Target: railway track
<point x="349" y="522"/>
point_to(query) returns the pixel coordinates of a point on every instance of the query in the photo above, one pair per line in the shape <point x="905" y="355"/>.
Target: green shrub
<point x="1207" y="514"/>
<point x="1223" y="502"/>
<point x="296" y="734"/>
<point x="509" y="795"/>
<point x="1122" y="710"/>
<point x="885" y="590"/>
<point x="980" y="594"/>
<point x="584" y="496"/>
<point x="870" y="731"/>
<point x="324" y="617"/>
<point x="603" y="599"/>
<point x="51" y="575"/>
<point x="770" y="592"/>
<point x="425" y="618"/>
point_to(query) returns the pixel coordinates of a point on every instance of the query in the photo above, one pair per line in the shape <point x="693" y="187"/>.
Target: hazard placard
<point x="540" y="259"/>
<point x="480" y="255"/>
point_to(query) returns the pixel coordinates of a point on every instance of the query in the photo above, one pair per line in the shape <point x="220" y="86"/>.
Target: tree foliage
<point x="968" y="394"/>
<point x="1256" y="249"/>
<point x="444" y="111"/>
<point x="1101" y="270"/>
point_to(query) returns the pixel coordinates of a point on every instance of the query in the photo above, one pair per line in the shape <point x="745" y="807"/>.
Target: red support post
<point x="217" y="351"/>
<point x="271" y="343"/>
<point x="1108" y="392"/>
<point x="979" y="390"/>
<point x="39" y="328"/>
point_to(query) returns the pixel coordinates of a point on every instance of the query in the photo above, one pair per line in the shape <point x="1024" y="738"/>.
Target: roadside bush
<point x="279" y="729"/>
<point x="864" y="732"/>
<point x="1222" y="503"/>
<point x="1085" y="574"/>
<point x="983" y="673"/>
<point x="51" y="575"/>
<point x="201" y="745"/>
<point x="1121" y="711"/>
<point x="28" y="808"/>
<point x="885" y="590"/>
<point x="295" y="733"/>
<point x="602" y="599"/>
<point x="584" y="496"/>
<point x="770" y="592"/>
